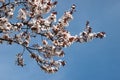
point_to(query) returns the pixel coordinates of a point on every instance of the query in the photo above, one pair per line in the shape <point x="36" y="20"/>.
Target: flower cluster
<point x="39" y="7"/>
<point x="88" y="35"/>
<point x="49" y="66"/>
<point x="43" y="37"/>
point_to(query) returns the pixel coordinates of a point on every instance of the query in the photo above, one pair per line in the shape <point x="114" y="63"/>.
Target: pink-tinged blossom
<point x="22" y="14"/>
<point x="38" y="31"/>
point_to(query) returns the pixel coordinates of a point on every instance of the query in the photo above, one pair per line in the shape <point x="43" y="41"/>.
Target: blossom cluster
<point x="30" y="24"/>
<point x="88" y="35"/>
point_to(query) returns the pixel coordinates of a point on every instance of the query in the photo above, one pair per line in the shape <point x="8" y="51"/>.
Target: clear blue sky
<point x="95" y="60"/>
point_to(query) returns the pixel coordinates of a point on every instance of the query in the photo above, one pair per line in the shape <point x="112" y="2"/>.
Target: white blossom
<point x="26" y="43"/>
<point x="22" y="14"/>
<point x="91" y="36"/>
<point x="10" y="14"/>
<point x="38" y="31"/>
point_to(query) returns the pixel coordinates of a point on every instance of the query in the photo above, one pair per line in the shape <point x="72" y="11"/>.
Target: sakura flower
<point x="20" y="60"/>
<point x="22" y="14"/>
<point x="45" y="68"/>
<point x="10" y="14"/>
<point x="49" y="6"/>
<point x="47" y="23"/>
<point x="7" y="26"/>
<point x="49" y="69"/>
<point x="39" y="59"/>
<point x="35" y="29"/>
<point x="52" y="17"/>
<point x="68" y="16"/>
<point x="3" y="20"/>
<point x="81" y="39"/>
<point x="65" y="19"/>
<point x="72" y="39"/>
<point x="91" y="36"/>
<point x="60" y="53"/>
<point x="53" y="69"/>
<point x="73" y="6"/>
<point x="26" y="43"/>
<point x="100" y="35"/>
<point x="55" y="63"/>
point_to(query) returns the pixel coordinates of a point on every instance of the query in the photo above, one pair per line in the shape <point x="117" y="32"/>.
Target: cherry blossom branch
<point x="43" y="38"/>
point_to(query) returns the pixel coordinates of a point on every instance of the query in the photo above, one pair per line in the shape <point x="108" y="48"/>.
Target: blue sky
<point x="95" y="60"/>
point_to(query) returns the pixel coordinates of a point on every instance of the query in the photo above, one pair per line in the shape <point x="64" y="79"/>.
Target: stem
<point x="29" y="49"/>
